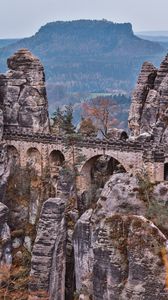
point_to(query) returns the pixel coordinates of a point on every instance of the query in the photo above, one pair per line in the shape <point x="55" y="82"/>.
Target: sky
<point x="22" y="18"/>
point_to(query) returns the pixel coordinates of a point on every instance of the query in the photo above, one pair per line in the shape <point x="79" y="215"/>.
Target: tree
<point x="57" y="118"/>
<point x="67" y="124"/>
<point x="63" y="120"/>
<point x="87" y="127"/>
<point x="101" y="111"/>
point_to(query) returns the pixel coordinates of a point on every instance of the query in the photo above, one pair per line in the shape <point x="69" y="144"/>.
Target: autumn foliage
<point x="87" y="127"/>
<point x="101" y="111"/>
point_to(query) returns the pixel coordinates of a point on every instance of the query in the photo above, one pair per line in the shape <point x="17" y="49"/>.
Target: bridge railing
<point x="123" y="145"/>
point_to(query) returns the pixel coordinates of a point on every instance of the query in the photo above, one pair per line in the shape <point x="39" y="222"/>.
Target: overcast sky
<point x="20" y="18"/>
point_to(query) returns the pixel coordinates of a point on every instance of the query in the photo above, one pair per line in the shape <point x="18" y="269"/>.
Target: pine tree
<point x="67" y="124"/>
<point x="58" y="119"/>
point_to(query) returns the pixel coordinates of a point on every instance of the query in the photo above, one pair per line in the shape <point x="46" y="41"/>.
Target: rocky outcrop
<point x="144" y="84"/>
<point x="161" y="73"/>
<point x="1" y="105"/>
<point x="127" y="262"/>
<point x="149" y="109"/>
<point x="48" y="255"/>
<point x="23" y="94"/>
<point x="121" y="195"/>
<point x="83" y="253"/>
<point x="4" y="171"/>
<point x="4" y="166"/>
<point x="118" y="252"/>
<point x="5" y="244"/>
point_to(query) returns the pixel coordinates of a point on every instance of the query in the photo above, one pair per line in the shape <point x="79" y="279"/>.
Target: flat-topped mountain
<point x="87" y="56"/>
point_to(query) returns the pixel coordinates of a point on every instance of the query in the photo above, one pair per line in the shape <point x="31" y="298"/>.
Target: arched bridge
<point x="133" y="156"/>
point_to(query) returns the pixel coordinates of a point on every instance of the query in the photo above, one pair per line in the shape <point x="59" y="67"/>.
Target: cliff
<point x="148" y="112"/>
<point x="117" y="249"/>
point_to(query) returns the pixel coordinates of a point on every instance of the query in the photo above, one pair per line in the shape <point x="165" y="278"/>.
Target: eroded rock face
<point x="24" y="94"/>
<point x="149" y="109"/>
<point x="2" y="82"/>
<point x="161" y="73"/>
<point x="127" y="263"/>
<point x="121" y="195"/>
<point x="144" y="84"/>
<point x="5" y="243"/>
<point x="4" y="166"/>
<point x="83" y="252"/>
<point x="48" y="255"/>
<point x="4" y="170"/>
<point x="118" y="250"/>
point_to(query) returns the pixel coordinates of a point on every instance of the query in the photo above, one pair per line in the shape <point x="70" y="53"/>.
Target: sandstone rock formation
<point x="144" y="84"/>
<point x="127" y="259"/>
<point x="4" y="170"/>
<point x="121" y="195"/>
<point x="5" y="243"/>
<point x="1" y="122"/>
<point x="48" y="255"/>
<point x="84" y="253"/>
<point x="23" y="108"/>
<point x="118" y="250"/>
<point x="23" y="94"/>
<point x="148" y="112"/>
<point x="4" y="166"/>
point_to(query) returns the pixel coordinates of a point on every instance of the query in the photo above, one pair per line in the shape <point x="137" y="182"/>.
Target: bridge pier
<point x="154" y="162"/>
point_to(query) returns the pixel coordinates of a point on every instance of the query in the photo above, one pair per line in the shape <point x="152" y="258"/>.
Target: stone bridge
<point x="49" y="150"/>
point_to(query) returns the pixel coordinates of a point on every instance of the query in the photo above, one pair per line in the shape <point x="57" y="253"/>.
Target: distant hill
<point x="82" y="57"/>
<point x="161" y="39"/>
<point x="7" y="42"/>
<point x="153" y="33"/>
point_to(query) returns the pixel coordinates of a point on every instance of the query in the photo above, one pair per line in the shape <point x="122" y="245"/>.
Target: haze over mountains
<point x="153" y="33"/>
<point x="7" y="42"/>
<point x="83" y="57"/>
<point x="155" y="36"/>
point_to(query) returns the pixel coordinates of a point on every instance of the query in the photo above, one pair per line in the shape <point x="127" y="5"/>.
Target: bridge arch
<point x="34" y="160"/>
<point x="56" y="159"/>
<point x="87" y="170"/>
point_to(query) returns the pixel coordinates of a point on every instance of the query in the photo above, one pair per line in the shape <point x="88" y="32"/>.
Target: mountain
<point x="86" y="56"/>
<point x="162" y="40"/>
<point x="7" y="42"/>
<point x="160" y="37"/>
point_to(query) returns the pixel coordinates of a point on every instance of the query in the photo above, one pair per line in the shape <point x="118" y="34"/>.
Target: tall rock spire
<point x="24" y="94"/>
<point x="144" y="84"/>
<point x="149" y="107"/>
